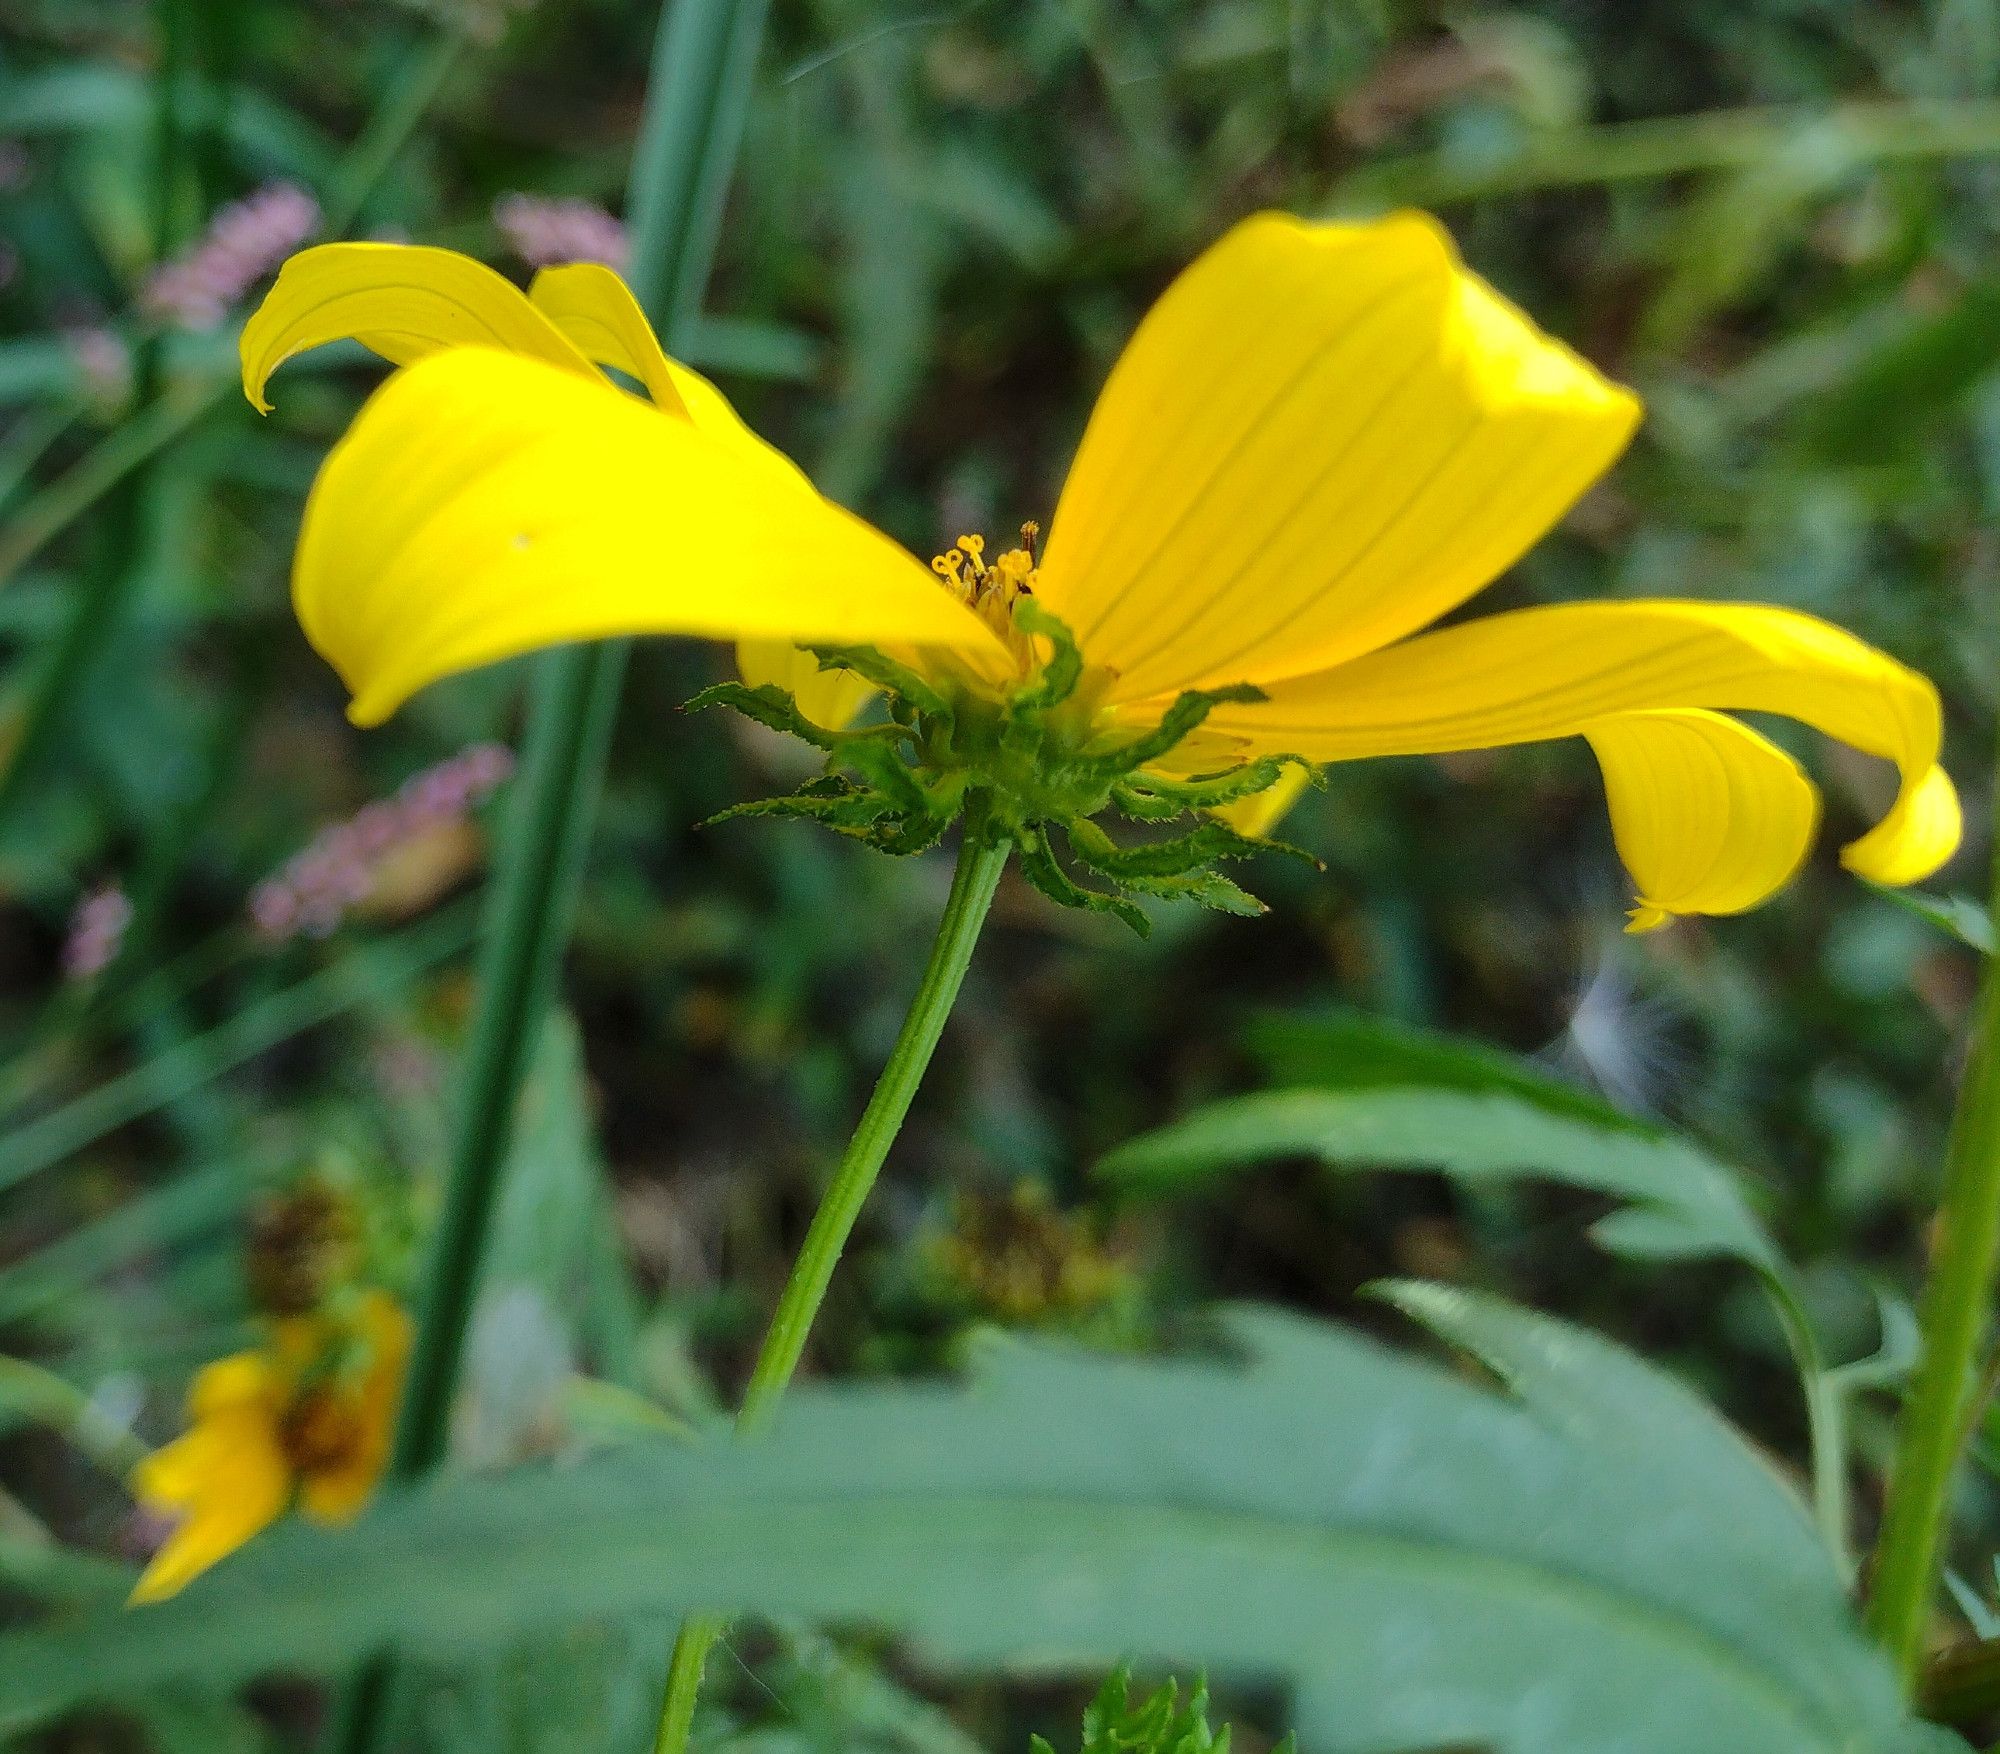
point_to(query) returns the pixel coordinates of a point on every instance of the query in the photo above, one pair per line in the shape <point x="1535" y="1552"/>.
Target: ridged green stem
<point x="980" y="863"/>
<point x="527" y="924"/>
<point x="1953" y="1316"/>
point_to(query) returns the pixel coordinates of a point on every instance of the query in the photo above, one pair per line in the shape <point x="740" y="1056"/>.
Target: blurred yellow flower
<point x="305" y="1420"/>
<point x="1322" y="439"/>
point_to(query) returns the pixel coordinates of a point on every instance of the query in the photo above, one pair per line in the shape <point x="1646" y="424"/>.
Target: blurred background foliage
<point x="1777" y="219"/>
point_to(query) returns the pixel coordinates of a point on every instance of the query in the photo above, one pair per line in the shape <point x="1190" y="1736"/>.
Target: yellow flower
<point x="306" y="1419"/>
<point x="1321" y="440"/>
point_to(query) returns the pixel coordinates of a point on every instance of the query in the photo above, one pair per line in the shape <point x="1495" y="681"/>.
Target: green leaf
<point x="1339" y="1049"/>
<point x="1686" y="1204"/>
<point x="1591" y="1564"/>
<point x="1115" y="1723"/>
<point x="1388" y="1096"/>
<point x="1957" y="916"/>
<point x="770" y="706"/>
<point x="554" y="1214"/>
<point x="886" y="673"/>
<point x="1057" y="679"/>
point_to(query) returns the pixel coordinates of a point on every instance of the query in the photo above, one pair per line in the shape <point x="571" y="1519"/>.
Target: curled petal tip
<point x="1645" y="917"/>
<point x="1914" y="839"/>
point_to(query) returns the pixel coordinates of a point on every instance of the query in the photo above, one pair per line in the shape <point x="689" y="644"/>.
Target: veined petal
<point x="484" y="505"/>
<point x="403" y="301"/>
<point x="1556" y="672"/>
<point x="1709" y="817"/>
<point x="597" y="311"/>
<point x="1257" y="815"/>
<point x="598" y="314"/>
<point x="1319" y="440"/>
<point x="832" y="699"/>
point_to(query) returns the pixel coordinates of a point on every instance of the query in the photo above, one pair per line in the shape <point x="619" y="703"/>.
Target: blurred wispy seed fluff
<point x="546" y="232"/>
<point x="1619" y="1039"/>
<point x="243" y="243"/>
<point x="96" y="930"/>
<point x="344" y="866"/>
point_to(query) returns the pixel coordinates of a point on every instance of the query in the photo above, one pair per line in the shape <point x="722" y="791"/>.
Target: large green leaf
<point x="1382" y="1096"/>
<point x="1588" y="1563"/>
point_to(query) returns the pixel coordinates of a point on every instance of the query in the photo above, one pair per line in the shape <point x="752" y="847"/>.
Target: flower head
<point x="1320" y="441"/>
<point x="305" y="1420"/>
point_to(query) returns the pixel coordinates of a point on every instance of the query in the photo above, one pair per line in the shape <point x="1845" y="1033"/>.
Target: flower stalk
<point x="1938" y="1414"/>
<point x="981" y="858"/>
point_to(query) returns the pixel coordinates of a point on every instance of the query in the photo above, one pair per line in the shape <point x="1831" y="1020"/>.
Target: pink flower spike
<point x="244" y="242"/>
<point x="545" y="231"/>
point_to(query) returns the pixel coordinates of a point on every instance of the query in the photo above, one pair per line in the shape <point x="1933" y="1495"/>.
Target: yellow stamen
<point x="992" y="591"/>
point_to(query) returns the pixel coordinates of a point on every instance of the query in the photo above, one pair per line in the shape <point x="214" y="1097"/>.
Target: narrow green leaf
<point x="1690" y="1204"/>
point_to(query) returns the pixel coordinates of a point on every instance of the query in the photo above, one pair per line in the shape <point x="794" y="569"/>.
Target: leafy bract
<point x="1385" y="1097"/>
<point x="1587" y="1562"/>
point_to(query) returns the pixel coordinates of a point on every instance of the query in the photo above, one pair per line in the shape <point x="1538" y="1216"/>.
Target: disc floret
<point x="1032" y="758"/>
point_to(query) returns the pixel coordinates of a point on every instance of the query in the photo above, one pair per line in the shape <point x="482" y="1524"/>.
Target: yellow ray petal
<point x="1555" y="672"/>
<point x="832" y="699"/>
<point x="484" y="505"/>
<point x="1709" y="817"/>
<point x="1259" y="814"/>
<point x="1320" y="439"/>
<point x="245" y="1491"/>
<point x="598" y="314"/>
<point x="226" y="1479"/>
<point x="403" y="301"/>
<point x="597" y="311"/>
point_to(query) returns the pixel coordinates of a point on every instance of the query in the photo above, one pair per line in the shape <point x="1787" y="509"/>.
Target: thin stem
<point x="170" y="1076"/>
<point x="979" y="866"/>
<point x="1952" y="1317"/>
<point x="57" y="1403"/>
<point x="1669" y="146"/>
<point x="383" y="136"/>
<point x="1826" y="1423"/>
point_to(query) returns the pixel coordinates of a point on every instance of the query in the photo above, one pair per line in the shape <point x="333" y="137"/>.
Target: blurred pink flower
<point x="244" y="242"/>
<point x="545" y="231"/>
<point x="103" y="364"/>
<point x="311" y="892"/>
<point x="96" y="930"/>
